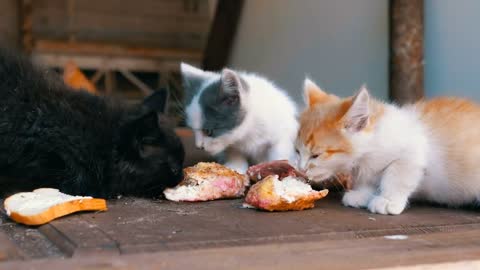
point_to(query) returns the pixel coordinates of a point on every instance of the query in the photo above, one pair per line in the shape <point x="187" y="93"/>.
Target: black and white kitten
<point x="52" y="136"/>
<point x="241" y="115"/>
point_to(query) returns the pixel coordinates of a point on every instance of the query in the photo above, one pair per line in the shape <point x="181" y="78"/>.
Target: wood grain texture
<point x="406" y="50"/>
<point x="343" y="254"/>
<point x="10" y="23"/>
<point x="76" y="236"/>
<point x="214" y="235"/>
<point x="138" y="225"/>
<point x="151" y="23"/>
<point x="8" y="250"/>
<point x="26" y="25"/>
<point x="104" y="49"/>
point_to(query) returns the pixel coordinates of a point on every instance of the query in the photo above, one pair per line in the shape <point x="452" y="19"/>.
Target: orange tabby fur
<point x="450" y="119"/>
<point x="322" y="122"/>
<point x="428" y="150"/>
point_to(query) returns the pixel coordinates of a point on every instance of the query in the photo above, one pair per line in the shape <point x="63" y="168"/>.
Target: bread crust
<point x="59" y="210"/>
<point x="205" y="170"/>
<point x="212" y="181"/>
<point x="262" y="196"/>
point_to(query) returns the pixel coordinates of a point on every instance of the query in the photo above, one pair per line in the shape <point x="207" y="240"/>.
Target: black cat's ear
<point x="133" y="129"/>
<point x="142" y="140"/>
<point x="157" y="101"/>
<point x="233" y="86"/>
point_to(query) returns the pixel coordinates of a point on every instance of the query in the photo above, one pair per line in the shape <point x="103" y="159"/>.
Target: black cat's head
<point x="149" y="155"/>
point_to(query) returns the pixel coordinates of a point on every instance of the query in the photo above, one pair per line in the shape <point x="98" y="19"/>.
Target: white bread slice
<point x="46" y="204"/>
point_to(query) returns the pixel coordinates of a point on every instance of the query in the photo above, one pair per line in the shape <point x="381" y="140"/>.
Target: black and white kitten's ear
<point x="157" y="101"/>
<point x="193" y="77"/>
<point x="233" y="86"/>
<point x="357" y="116"/>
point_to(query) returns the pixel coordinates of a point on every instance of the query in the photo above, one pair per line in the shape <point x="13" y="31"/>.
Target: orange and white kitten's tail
<point x="429" y="150"/>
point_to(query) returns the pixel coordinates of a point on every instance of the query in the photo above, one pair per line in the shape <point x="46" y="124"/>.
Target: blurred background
<point x="402" y="49"/>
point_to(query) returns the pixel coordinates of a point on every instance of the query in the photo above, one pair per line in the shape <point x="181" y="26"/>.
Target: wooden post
<point x="26" y="25"/>
<point x="222" y="33"/>
<point x="406" y="50"/>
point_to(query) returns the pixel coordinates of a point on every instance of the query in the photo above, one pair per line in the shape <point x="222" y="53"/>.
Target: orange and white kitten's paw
<point x="384" y="206"/>
<point x="357" y="198"/>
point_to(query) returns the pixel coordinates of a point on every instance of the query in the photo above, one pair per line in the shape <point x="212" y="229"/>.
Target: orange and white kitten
<point x="429" y="150"/>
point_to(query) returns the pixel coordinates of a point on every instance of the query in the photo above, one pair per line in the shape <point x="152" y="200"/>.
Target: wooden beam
<point x="222" y="33"/>
<point x="105" y="62"/>
<point x="97" y="76"/>
<point x="406" y="50"/>
<point x="137" y="82"/>
<point x="102" y="49"/>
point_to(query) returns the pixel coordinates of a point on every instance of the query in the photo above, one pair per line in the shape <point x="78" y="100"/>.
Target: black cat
<point x="53" y="136"/>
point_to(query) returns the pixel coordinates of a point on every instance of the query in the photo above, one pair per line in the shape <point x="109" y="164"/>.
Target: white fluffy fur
<point x="391" y="164"/>
<point x="400" y="159"/>
<point x="267" y="132"/>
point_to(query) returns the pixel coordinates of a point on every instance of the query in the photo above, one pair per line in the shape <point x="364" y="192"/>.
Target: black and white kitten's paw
<point x="240" y="167"/>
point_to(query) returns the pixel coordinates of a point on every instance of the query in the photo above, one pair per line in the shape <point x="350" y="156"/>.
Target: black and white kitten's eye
<point x="207" y="132"/>
<point x="296" y="151"/>
<point x="314" y="156"/>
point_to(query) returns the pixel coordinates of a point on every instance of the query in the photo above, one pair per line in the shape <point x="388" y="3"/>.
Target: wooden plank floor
<point x="223" y="234"/>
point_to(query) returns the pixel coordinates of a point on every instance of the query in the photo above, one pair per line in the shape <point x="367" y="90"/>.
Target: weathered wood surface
<point x="10" y="23"/>
<point x="8" y="250"/>
<point x="26" y="25"/>
<point x="154" y="23"/>
<point x="103" y="49"/>
<point x="21" y="242"/>
<point x="328" y="253"/>
<point x="213" y="235"/>
<point x="406" y="50"/>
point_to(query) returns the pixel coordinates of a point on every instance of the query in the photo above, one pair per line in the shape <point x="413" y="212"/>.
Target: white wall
<point x="341" y="44"/>
<point x="452" y="48"/>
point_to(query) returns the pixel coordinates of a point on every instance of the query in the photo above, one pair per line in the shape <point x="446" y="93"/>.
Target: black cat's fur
<point x="53" y="136"/>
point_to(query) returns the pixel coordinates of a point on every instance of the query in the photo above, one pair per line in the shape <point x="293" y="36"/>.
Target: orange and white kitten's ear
<point x="357" y="116"/>
<point x="312" y="94"/>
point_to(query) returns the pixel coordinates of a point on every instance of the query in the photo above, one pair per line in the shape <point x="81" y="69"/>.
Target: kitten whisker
<point x="340" y="182"/>
<point x="334" y="183"/>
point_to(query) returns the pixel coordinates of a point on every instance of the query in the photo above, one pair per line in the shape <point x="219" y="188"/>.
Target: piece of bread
<point x="46" y="204"/>
<point x="208" y="181"/>
<point x="278" y="167"/>
<point x="290" y="193"/>
<point x="339" y="182"/>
